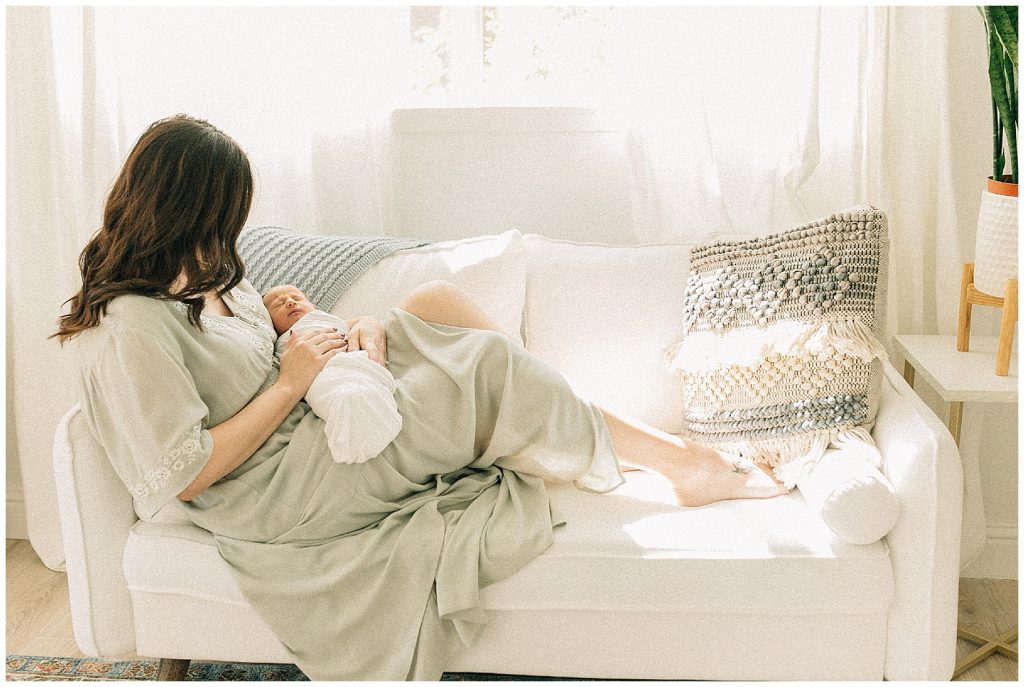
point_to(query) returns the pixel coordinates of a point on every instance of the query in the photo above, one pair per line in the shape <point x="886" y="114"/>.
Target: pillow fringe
<point x="795" y="457"/>
<point x="851" y="337"/>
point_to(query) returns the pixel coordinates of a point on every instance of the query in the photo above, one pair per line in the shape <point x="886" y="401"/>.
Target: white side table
<point x="958" y="378"/>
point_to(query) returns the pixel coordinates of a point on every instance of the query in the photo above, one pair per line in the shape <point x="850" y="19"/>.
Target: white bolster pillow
<point x="853" y="497"/>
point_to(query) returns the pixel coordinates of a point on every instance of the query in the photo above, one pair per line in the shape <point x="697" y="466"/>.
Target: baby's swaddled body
<point x="353" y="395"/>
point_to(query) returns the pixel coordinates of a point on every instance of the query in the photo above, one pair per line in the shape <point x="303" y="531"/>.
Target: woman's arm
<point x="235" y="440"/>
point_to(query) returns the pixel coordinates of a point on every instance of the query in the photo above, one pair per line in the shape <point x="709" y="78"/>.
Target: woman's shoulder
<point x="130" y="318"/>
<point x="135" y="305"/>
<point x="141" y="314"/>
<point x="135" y="312"/>
<point x="129" y="327"/>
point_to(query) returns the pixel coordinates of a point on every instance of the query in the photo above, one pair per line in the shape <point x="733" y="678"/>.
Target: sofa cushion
<point x="851" y="495"/>
<point x="605" y="316"/>
<point x="491" y="269"/>
<point x="713" y="559"/>
<point x="780" y="354"/>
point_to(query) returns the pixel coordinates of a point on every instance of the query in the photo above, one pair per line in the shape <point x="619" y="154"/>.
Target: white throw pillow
<point x="604" y="316"/>
<point x="854" y="499"/>
<point x="491" y="269"/>
<point x="779" y="355"/>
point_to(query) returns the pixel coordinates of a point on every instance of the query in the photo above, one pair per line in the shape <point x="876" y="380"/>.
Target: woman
<point x="365" y="571"/>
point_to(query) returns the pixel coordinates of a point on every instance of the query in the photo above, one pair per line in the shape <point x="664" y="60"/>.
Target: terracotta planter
<point x="1002" y="188"/>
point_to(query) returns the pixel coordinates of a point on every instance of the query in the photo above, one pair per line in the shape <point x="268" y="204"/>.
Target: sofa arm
<point x="923" y="464"/>
<point x="96" y="513"/>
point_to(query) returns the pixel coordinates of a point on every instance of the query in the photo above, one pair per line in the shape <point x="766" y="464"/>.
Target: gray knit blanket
<point x="321" y="266"/>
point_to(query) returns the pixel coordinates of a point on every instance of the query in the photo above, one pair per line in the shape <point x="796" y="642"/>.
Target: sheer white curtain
<point x="754" y="119"/>
<point x="736" y="120"/>
<point x="306" y="92"/>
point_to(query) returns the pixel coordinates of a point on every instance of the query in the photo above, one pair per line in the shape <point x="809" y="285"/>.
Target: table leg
<point x="988" y="647"/>
<point x="956" y="419"/>
<point x="956" y="408"/>
<point x="908" y="373"/>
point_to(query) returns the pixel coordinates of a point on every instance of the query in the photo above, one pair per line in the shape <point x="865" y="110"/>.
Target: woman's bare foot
<point x="706" y="475"/>
<point x="699" y="475"/>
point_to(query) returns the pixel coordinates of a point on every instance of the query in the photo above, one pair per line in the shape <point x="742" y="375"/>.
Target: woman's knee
<point x="442" y="302"/>
<point x="431" y="295"/>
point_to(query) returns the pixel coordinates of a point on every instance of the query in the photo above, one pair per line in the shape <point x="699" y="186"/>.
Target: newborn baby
<point x="353" y="395"/>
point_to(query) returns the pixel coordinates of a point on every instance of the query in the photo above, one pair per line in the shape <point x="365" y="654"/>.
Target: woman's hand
<point x="367" y="334"/>
<point x="304" y="356"/>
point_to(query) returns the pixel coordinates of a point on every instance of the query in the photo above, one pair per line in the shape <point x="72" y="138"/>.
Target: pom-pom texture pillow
<point x="780" y="357"/>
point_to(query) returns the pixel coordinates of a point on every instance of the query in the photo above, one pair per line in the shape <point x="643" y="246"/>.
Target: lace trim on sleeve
<point x="177" y="459"/>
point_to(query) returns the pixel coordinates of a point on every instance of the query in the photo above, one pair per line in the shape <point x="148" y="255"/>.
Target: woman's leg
<point x="700" y="475"/>
<point x="444" y="303"/>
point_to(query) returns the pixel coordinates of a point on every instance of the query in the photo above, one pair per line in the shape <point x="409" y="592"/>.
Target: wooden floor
<point x="39" y="616"/>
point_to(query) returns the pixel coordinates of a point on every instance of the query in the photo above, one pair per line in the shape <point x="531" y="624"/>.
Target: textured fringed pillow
<point x="780" y="356"/>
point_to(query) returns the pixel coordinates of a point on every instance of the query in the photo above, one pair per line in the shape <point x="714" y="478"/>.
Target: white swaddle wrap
<point x="353" y="395"/>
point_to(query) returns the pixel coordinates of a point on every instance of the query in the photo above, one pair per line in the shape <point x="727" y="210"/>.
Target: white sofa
<point x="633" y="586"/>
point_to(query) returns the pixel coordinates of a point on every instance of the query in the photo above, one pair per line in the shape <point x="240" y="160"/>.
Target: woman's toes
<point x="750" y="479"/>
<point x="771" y="473"/>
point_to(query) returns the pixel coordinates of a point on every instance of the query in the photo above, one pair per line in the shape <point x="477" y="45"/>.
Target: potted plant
<point x="1001" y="27"/>
<point x="992" y="278"/>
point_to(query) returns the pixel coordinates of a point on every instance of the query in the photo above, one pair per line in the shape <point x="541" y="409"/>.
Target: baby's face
<point x="286" y="305"/>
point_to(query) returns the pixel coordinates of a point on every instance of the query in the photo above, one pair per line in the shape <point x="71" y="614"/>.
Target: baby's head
<point x="286" y="305"/>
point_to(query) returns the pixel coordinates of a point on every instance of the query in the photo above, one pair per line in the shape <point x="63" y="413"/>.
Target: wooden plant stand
<point x="969" y="297"/>
<point x="988" y="647"/>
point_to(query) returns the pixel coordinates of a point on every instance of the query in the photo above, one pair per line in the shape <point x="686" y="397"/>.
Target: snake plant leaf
<point x="998" y="161"/>
<point x="1010" y="123"/>
<point x="1002" y="76"/>
<point x="997" y="78"/>
<point x="1011" y="89"/>
<point x="1004" y="25"/>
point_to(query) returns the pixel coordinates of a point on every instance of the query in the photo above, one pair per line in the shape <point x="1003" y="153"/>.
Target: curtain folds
<point x="39" y="240"/>
<point x="734" y="120"/>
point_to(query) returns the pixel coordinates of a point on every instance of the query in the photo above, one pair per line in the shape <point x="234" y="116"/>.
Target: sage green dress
<point x="364" y="571"/>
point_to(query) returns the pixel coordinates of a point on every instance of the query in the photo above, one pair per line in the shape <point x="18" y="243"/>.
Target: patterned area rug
<point x="97" y="669"/>
<point x="58" y="668"/>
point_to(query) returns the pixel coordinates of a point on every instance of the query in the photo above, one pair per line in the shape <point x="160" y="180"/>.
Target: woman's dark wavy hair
<point x="178" y="204"/>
